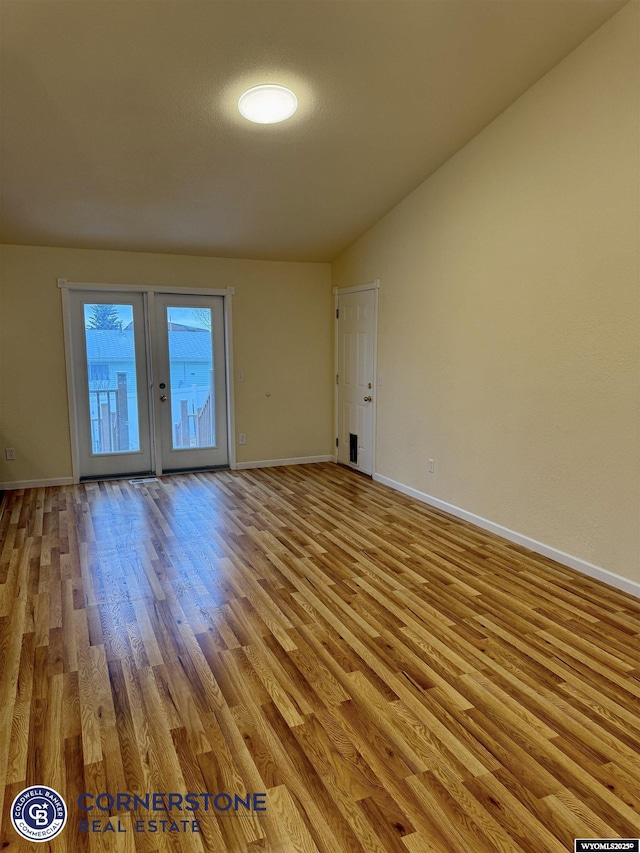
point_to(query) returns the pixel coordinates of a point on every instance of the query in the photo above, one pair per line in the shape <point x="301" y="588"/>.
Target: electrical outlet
<point x="432" y="466"/>
<point x="242" y="438"/>
<point x="10" y="453"/>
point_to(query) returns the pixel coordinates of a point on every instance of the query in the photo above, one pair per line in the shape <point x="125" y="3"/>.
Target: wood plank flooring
<point x="391" y="678"/>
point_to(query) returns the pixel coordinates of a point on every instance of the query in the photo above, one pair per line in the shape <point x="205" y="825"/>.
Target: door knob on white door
<point x="163" y="397"/>
<point x="368" y="398"/>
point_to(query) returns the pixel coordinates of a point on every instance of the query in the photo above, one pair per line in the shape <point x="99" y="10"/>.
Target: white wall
<point x="509" y="331"/>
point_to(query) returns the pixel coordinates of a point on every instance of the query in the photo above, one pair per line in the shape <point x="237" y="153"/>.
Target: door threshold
<point x="132" y="475"/>
<point x="195" y="470"/>
<point x="354" y="469"/>
<point x="149" y="476"/>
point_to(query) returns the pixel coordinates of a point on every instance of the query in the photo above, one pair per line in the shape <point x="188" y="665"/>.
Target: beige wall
<point x="509" y="326"/>
<point x="282" y="344"/>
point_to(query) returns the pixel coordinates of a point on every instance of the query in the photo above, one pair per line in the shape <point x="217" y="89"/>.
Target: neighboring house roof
<point x="174" y="327"/>
<point x="105" y="345"/>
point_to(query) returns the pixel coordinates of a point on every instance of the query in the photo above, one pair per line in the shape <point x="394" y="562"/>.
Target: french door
<point x="148" y="382"/>
<point x="190" y="393"/>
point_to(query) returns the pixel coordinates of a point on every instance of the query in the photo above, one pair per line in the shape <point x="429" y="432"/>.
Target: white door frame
<point x="148" y="292"/>
<point x="343" y="291"/>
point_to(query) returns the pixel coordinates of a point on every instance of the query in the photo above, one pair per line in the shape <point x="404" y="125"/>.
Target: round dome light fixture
<point x="268" y="103"/>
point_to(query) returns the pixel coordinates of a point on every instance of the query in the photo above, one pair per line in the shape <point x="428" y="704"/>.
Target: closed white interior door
<point x="356" y="351"/>
<point x="148" y="381"/>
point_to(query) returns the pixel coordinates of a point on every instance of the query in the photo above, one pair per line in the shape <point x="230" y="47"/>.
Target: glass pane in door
<point x="112" y="378"/>
<point x="193" y="421"/>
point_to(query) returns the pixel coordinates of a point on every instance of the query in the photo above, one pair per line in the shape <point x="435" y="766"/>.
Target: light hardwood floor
<point x="393" y="679"/>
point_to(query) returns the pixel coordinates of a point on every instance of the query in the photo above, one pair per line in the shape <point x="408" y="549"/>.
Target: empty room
<point x="319" y="426"/>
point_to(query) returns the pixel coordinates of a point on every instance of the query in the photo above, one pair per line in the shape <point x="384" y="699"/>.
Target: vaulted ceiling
<point x="120" y="127"/>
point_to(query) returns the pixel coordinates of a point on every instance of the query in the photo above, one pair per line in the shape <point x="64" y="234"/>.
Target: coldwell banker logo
<point x="38" y="813"/>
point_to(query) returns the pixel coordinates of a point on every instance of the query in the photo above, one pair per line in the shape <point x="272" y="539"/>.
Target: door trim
<point x="357" y="288"/>
<point x="64" y="284"/>
<point x="148" y="292"/>
<point x="343" y="291"/>
<point x="71" y="396"/>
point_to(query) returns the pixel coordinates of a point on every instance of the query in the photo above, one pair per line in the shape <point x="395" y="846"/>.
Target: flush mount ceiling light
<point x="268" y="103"/>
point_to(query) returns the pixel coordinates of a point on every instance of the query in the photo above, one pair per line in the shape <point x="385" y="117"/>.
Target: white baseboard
<point x="273" y="463"/>
<point x="36" y="484"/>
<point x="593" y="571"/>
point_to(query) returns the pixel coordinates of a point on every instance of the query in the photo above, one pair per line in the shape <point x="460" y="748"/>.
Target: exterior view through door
<point x="356" y="336"/>
<point x="148" y="382"/>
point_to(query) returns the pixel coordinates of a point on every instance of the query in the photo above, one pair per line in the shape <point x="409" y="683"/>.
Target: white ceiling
<point x="120" y="128"/>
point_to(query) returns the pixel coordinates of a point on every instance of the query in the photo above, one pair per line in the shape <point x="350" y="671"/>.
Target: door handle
<point x="163" y="398"/>
<point x="368" y="398"/>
